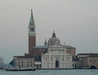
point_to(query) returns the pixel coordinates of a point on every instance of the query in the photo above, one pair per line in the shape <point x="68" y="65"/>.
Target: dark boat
<point x="20" y="69"/>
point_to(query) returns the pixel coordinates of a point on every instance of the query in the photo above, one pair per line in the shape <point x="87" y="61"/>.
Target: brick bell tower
<point x="31" y="34"/>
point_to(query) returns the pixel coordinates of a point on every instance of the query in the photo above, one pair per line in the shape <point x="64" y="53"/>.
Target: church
<point x="56" y="56"/>
<point x="50" y="55"/>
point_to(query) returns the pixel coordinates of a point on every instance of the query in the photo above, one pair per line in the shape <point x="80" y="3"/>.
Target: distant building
<point x="23" y="62"/>
<point x="56" y="56"/>
<point x="70" y="50"/>
<point x="41" y="56"/>
<point x="76" y="63"/>
<point x="88" y="60"/>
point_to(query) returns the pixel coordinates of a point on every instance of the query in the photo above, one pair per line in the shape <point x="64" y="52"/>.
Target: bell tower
<point x="31" y="34"/>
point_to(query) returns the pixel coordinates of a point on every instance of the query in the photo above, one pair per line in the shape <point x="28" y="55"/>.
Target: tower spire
<point x="32" y="19"/>
<point x="45" y="43"/>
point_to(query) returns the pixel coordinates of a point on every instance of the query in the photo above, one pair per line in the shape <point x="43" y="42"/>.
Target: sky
<point x="74" y="21"/>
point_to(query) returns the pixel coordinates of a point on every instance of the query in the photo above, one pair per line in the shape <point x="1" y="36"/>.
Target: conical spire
<point x="53" y="35"/>
<point x="31" y="19"/>
<point x="45" y="43"/>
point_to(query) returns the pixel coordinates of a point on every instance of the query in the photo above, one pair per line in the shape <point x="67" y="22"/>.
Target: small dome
<point x="53" y="40"/>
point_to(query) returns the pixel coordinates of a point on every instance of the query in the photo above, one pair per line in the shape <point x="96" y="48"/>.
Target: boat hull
<point x="20" y="69"/>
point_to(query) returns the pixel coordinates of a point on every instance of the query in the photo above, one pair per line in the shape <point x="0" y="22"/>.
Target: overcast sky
<point x="74" y="21"/>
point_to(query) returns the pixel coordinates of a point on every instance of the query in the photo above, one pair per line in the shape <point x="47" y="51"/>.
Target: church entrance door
<point x="56" y="63"/>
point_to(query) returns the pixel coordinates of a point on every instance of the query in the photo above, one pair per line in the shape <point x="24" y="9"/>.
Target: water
<point x="51" y="72"/>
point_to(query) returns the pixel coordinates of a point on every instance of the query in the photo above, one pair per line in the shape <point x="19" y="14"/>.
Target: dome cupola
<point x="53" y="40"/>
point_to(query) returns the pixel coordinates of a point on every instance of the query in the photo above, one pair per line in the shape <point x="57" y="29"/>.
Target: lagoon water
<point x="51" y="72"/>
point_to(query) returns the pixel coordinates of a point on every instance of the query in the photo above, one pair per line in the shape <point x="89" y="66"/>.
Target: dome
<point x="53" y="40"/>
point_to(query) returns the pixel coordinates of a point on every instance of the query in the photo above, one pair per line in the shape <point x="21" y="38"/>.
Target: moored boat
<point x="20" y="69"/>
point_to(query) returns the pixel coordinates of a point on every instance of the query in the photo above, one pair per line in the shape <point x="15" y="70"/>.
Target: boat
<point x="20" y="69"/>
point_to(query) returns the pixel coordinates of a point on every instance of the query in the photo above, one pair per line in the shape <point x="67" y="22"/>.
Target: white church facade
<point x="56" y="56"/>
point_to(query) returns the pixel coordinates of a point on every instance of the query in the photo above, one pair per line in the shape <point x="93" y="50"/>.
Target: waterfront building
<point x="55" y="55"/>
<point x="76" y="63"/>
<point x="70" y="50"/>
<point x="61" y="56"/>
<point x="88" y="60"/>
<point x="23" y="62"/>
